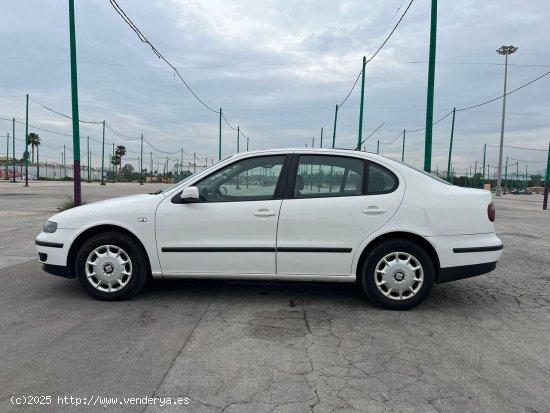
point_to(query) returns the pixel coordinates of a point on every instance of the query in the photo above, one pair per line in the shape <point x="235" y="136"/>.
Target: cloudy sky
<point x="278" y="68"/>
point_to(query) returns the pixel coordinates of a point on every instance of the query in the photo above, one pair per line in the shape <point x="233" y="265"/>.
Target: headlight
<point x="50" y="226"/>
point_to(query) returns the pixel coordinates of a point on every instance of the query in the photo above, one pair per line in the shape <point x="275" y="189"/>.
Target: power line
<point x="144" y="39"/>
<point x="518" y="147"/>
<point x="486" y="102"/>
<point x="62" y="114"/>
<point x="36" y="127"/>
<point x="375" y="53"/>
<point x="249" y="65"/>
<point x="520" y="160"/>
<point x="506" y="94"/>
<point x="392" y="141"/>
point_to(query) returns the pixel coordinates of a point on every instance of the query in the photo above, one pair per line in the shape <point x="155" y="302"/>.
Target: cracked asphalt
<point x="476" y="345"/>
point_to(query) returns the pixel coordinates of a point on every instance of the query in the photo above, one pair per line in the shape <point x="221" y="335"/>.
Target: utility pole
<point x="238" y="137"/>
<point x="321" y="145"/>
<point x="27" y="143"/>
<point x="89" y="158"/>
<point x="74" y="94"/>
<point x="403" y="151"/>
<point x="247" y="142"/>
<point x="7" y="155"/>
<point x="506" y="175"/>
<point x="181" y="161"/>
<point x="220" y="141"/>
<point x="360" y="137"/>
<point x="103" y="156"/>
<point x="312" y="143"/>
<point x="334" y="130"/>
<point x="65" y="162"/>
<point x="483" y="177"/>
<point x="113" y="163"/>
<point x="475" y="172"/>
<point x="37" y="162"/>
<point x="430" y="96"/>
<point x="503" y="50"/>
<point x="194" y="162"/>
<point x="517" y="174"/>
<point x="546" y="181"/>
<point x="141" y="163"/>
<point x="13" y="148"/>
<point x="378" y="146"/>
<point x="451" y="144"/>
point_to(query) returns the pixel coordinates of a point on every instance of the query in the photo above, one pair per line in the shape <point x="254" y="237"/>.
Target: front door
<point x="232" y="229"/>
<point x="336" y="203"/>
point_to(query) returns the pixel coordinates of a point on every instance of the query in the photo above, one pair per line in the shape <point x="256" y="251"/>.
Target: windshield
<point x="437" y="178"/>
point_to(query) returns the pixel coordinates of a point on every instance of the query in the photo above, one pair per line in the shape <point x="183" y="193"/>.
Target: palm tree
<point x="119" y="153"/>
<point x="33" y="140"/>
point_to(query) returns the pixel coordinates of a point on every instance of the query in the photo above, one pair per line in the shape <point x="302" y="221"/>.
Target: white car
<point x="293" y="215"/>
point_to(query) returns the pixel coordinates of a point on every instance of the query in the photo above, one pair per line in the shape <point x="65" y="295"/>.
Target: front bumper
<point x="59" y="270"/>
<point x="53" y="248"/>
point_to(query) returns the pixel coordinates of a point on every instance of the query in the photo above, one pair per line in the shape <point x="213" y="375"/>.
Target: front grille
<point x="43" y="257"/>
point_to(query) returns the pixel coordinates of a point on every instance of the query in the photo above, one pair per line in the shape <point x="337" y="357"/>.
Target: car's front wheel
<point x="111" y="266"/>
<point x="397" y="274"/>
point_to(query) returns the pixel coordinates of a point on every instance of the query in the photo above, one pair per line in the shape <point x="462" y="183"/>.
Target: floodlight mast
<point x="503" y="50"/>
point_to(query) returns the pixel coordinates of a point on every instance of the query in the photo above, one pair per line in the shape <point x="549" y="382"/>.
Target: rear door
<point x="332" y="203"/>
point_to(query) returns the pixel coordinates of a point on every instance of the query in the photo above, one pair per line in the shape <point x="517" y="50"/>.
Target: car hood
<point x="108" y="211"/>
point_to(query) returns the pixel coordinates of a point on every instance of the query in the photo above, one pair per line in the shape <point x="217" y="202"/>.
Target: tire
<point x="397" y="275"/>
<point x="116" y="270"/>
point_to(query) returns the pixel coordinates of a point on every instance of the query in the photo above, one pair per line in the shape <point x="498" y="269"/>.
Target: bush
<point x="69" y="203"/>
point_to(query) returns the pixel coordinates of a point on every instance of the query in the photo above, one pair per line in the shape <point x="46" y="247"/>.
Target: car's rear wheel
<point x="397" y="274"/>
<point x="111" y="266"/>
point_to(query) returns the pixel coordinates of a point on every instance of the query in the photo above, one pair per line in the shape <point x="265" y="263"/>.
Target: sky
<point x="277" y="68"/>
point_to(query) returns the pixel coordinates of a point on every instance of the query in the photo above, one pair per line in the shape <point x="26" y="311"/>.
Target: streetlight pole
<point x="503" y="50"/>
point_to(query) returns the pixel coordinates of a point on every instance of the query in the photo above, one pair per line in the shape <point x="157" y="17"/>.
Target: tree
<point x="34" y="140"/>
<point x="120" y="151"/>
<point x="127" y="172"/>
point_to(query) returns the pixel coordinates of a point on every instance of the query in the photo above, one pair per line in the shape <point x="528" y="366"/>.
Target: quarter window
<point x="252" y="179"/>
<point x="328" y="176"/>
<point x="381" y="180"/>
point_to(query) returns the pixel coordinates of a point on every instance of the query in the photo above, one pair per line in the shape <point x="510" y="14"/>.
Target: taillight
<point x="491" y="213"/>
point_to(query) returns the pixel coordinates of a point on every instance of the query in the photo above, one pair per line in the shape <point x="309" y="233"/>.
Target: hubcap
<point x="108" y="268"/>
<point x="399" y="276"/>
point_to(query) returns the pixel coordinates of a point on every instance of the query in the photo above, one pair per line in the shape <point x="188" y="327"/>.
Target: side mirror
<point x="190" y="194"/>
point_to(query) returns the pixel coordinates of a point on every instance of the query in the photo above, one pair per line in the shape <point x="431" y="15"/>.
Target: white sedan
<point x="293" y="215"/>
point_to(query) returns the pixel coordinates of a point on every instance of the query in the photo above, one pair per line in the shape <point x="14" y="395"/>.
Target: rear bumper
<point x="464" y="271"/>
<point x="466" y="250"/>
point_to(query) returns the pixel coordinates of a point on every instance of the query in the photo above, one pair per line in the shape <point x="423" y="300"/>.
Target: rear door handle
<point x="373" y="210"/>
<point x="265" y="213"/>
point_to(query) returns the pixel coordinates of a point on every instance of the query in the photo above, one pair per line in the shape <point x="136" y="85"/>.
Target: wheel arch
<point x="418" y="239"/>
<point x="98" y="229"/>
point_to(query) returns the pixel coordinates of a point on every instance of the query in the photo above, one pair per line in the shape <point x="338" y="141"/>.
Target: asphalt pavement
<point x="475" y="345"/>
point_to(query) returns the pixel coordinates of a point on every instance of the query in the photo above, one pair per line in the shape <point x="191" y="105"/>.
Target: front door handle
<point x="265" y="213"/>
<point x="373" y="210"/>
